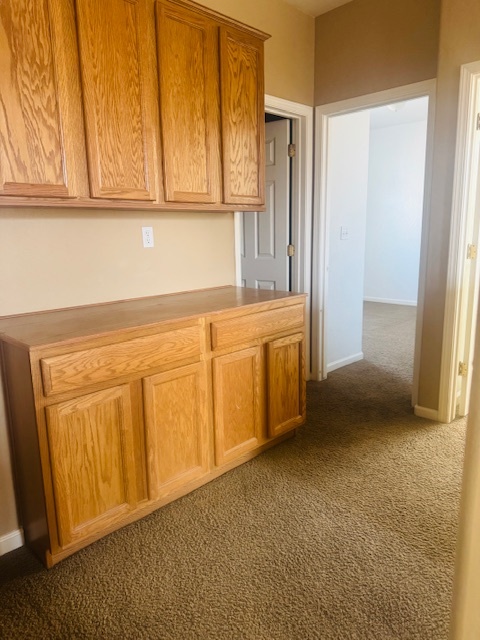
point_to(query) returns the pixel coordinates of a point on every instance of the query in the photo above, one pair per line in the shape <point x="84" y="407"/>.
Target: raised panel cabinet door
<point x="238" y="403"/>
<point x="242" y="110"/>
<point x="92" y="462"/>
<point x="189" y="104"/>
<point x="176" y="437"/>
<point x="41" y="129"/>
<point x="118" y="97"/>
<point x="286" y="384"/>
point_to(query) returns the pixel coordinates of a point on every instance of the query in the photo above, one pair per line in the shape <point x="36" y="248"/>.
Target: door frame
<point x="321" y="223"/>
<point x="302" y="201"/>
<point x="462" y="215"/>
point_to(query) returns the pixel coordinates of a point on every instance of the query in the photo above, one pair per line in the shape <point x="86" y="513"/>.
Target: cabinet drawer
<point x="82" y="368"/>
<point x="257" y="325"/>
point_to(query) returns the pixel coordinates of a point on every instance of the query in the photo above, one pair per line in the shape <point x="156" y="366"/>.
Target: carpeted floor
<point x="346" y="532"/>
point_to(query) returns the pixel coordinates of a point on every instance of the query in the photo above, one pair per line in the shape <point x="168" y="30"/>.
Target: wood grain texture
<point x="189" y="104"/>
<point x="82" y="368"/>
<point x="93" y="465"/>
<point x="242" y="109"/>
<point x="286" y="384"/>
<point x="141" y="404"/>
<point x="117" y="100"/>
<point x="257" y="325"/>
<point x="41" y="132"/>
<point x="176" y="428"/>
<point x="238" y="403"/>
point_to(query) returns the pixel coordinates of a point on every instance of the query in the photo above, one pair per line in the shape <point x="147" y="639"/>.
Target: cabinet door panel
<point x="117" y="91"/>
<point x="176" y="428"/>
<point x="286" y="384"/>
<point x="92" y="459"/>
<point x="41" y="145"/>
<point x="238" y="393"/>
<point x="242" y="108"/>
<point x="189" y="104"/>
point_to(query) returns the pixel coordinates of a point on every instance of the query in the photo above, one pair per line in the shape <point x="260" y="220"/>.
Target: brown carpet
<point x="345" y="532"/>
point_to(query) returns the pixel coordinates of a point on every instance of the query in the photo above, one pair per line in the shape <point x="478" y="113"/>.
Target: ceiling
<point x="316" y="7"/>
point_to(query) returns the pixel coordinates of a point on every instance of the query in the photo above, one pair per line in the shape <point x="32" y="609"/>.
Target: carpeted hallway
<point x="346" y="532"/>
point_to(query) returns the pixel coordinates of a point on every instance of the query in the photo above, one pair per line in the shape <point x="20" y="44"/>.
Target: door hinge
<point x="462" y="369"/>
<point x="292" y="150"/>
<point x="471" y="252"/>
<point x="291" y="250"/>
<point x="478" y="121"/>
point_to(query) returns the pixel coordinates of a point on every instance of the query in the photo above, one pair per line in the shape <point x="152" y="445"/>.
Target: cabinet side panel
<point x="31" y="157"/>
<point x="242" y="101"/>
<point x="25" y="446"/>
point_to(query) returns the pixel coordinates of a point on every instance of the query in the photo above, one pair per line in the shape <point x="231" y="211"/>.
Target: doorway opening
<point x="299" y="185"/>
<point x="339" y="245"/>
<point x="375" y="183"/>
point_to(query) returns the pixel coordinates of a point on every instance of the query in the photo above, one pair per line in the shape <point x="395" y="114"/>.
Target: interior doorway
<point x="375" y="184"/>
<point x="301" y="197"/>
<point x="266" y="262"/>
<point x="321" y="242"/>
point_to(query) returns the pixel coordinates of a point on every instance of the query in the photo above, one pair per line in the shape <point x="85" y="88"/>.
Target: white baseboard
<point x="344" y="361"/>
<point x="11" y="541"/>
<point x="424" y="412"/>
<point x="407" y="303"/>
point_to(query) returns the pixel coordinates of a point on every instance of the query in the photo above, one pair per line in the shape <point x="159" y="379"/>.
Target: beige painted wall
<point x="459" y="44"/>
<point x="367" y="46"/>
<point x="62" y="258"/>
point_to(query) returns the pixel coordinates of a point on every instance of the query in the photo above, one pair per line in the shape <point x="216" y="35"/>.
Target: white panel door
<point x="265" y="235"/>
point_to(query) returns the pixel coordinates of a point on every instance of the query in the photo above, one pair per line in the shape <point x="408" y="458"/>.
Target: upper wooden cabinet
<point x="211" y="106"/>
<point x="118" y="97"/>
<point x="241" y="59"/>
<point x="42" y="149"/>
<point x="189" y="104"/>
<point x="151" y="104"/>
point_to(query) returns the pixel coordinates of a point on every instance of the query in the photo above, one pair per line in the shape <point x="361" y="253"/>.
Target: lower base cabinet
<point x="111" y="419"/>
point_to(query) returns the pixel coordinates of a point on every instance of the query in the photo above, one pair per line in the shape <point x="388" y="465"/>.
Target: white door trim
<point x="466" y="128"/>
<point x="320" y="222"/>
<point x="302" y="196"/>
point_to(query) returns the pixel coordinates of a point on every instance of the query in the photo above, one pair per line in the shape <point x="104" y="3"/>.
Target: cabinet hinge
<point x="471" y="252"/>
<point x="462" y="369"/>
<point x="291" y="250"/>
<point x="292" y="150"/>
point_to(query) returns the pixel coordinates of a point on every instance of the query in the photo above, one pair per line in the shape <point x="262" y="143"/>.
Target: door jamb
<point x="302" y="197"/>
<point x="320" y="222"/>
<point x="466" y="129"/>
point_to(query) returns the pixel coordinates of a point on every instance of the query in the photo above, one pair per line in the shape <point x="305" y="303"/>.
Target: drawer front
<point x="257" y="325"/>
<point x="74" y="370"/>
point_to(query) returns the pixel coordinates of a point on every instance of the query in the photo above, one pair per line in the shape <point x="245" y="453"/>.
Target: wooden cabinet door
<point x="92" y="462"/>
<point x="118" y="97"/>
<point x="176" y="428"/>
<point x="41" y="131"/>
<point x="238" y="403"/>
<point x="189" y="104"/>
<point x="286" y="384"/>
<point x="242" y="109"/>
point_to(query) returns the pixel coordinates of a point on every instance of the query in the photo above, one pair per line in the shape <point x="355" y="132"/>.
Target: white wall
<point x="347" y="180"/>
<point x="394" y="211"/>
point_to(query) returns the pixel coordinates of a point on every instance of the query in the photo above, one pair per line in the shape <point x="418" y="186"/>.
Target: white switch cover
<point x="343" y="233"/>
<point x="147" y="235"/>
